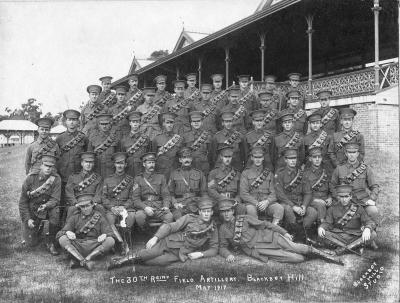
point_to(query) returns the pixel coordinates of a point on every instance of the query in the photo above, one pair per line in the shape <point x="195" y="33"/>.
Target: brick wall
<point x="379" y="124"/>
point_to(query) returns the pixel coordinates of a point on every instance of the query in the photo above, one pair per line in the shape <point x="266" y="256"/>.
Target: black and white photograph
<point x="199" y="151"/>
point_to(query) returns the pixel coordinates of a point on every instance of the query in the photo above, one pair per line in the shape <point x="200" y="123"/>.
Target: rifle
<point x="345" y="247"/>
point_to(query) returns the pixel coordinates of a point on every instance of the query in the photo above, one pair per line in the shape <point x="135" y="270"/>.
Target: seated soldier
<point x="260" y="239"/>
<point x="186" y="185"/>
<point x="224" y="181"/>
<point x="150" y="194"/>
<point x="257" y="189"/>
<point x="361" y="177"/>
<point x="347" y="224"/>
<point x="317" y="181"/>
<point x="292" y="195"/>
<point x="86" y="234"/>
<point x="38" y="204"/>
<point x="84" y="182"/>
<point x="190" y="237"/>
<point x="117" y="200"/>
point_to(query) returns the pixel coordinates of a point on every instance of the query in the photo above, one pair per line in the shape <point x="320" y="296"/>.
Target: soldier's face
<point x="134" y="124"/>
<point x="227" y="124"/>
<point x="186" y="161"/>
<point x="93" y="96"/>
<point x="227" y="215"/>
<point x="149" y="165"/>
<point x="291" y="162"/>
<point x="105" y="126"/>
<point x="161" y="86"/>
<point x="344" y="199"/>
<point x="86" y="209"/>
<point x="179" y="91"/>
<point x="352" y="156"/>
<point x="133" y="83"/>
<point x="324" y="102"/>
<point x="233" y="99"/>
<point x="71" y="123"/>
<point x="121" y="97"/>
<point x="266" y="103"/>
<point x="258" y="124"/>
<point x="205" y="214"/>
<point x="294" y="83"/>
<point x="243" y="84"/>
<point x="347" y="123"/>
<point x="191" y="83"/>
<point x="226" y="160"/>
<point x="257" y="160"/>
<point x="293" y="101"/>
<point x="168" y="125"/>
<point x="120" y="166"/>
<point x="315" y="125"/>
<point x="287" y="125"/>
<point x="316" y="160"/>
<point x="217" y="84"/>
<point x="205" y="95"/>
<point x="270" y="86"/>
<point x="46" y="168"/>
<point x="196" y="124"/>
<point x="106" y="85"/>
<point x="87" y="165"/>
<point x="148" y="99"/>
<point x="43" y="132"/>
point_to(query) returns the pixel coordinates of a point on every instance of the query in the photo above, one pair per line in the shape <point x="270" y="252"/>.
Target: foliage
<point x="30" y="110"/>
<point x="158" y="54"/>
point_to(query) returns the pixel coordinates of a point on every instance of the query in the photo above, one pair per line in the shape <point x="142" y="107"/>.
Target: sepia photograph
<point x="199" y="151"/>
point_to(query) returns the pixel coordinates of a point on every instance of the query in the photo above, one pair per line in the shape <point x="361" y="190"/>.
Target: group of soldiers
<point x="215" y="169"/>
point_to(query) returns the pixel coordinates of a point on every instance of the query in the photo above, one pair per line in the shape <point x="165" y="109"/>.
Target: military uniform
<point x="181" y="124"/>
<point x="209" y="109"/>
<point x="270" y="113"/>
<point x="151" y="190"/>
<point x="330" y="116"/>
<point x="87" y="229"/>
<point x="106" y="92"/>
<point x="150" y="111"/>
<point x="91" y="109"/>
<point x="256" y="185"/>
<point x="185" y="185"/>
<point x="190" y="90"/>
<point x="285" y="140"/>
<point x="40" y="189"/>
<point x="39" y="147"/>
<point x="278" y="94"/>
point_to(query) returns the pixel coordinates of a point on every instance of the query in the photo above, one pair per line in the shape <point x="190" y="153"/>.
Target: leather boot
<point x="118" y="262"/>
<point x="77" y="255"/>
<point x="324" y="255"/>
<point x="50" y="231"/>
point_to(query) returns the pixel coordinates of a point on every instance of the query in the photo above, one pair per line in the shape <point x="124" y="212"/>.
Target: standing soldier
<point x="240" y="108"/>
<point x="260" y="239"/>
<point x="224" y="181"/>
<point x="191" y="80"/>
<point x="133" y="95"/>
<point x="186" y="185"/>
<point x="86" y="234"/>
<point x="150" y="111"/>
<point x="135" y="143"/>
<point x="210" y="110"/>
<point x="90" y="110"/>
<point x="247" y="93"/>
<point x="278" y="95"/>
<point x="317" y="181"/>
<point x="271" y="113"/>
<point x="319" y="138"/>
<point x="120" y="111"/>
<point x="117" y="200"/>
<point x="299" y="114"/>
<point x="84" y="182"/>
<point x="39" y="201"/>
<point x="150" y="196"/>
<point x="346" y="135"/>
<point x="361" y="177"/>
<point x="229" y="136"/>
<point x="288" y="138"/>
<point x="161" y="83"/>
<point x="104" y="143"/>
<point x="44" y="144"/>
<point x="259" y="137"/>
<point x="347" y="225"/>
<point x="180" y="106"/>
<point x="330" y="116"/>
<point x="217" y="85"/>
<point x="106" y="92"/>
<point x="71" y="143"/>
<point x="199" y="141"/>
<point x="294" y="197"/>
<point x="294" y="81"/>
<point x="257" y="189"/>
<point x="166" y="145"/>
<point x="179" y="241"/>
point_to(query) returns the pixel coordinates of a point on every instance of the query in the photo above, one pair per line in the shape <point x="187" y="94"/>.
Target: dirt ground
<point x="33" y="275"/>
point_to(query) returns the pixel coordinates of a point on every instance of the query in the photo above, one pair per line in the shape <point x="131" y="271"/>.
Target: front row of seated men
<point x="90" y="228"/>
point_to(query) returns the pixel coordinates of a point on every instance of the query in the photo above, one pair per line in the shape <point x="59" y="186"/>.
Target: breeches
<point x="86" y="246"/>
<point x="274" y="210"/>
<point x="141" y="217"/>
<point x="308" y="219"/>
<point x="158" y="255"/>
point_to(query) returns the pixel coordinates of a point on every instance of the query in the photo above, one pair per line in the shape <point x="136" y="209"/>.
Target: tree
<point x="158" y="54"/>
<point x="31" y="110"/>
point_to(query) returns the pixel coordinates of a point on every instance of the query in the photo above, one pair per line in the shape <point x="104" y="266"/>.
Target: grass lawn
<point x="35" y="276"/>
